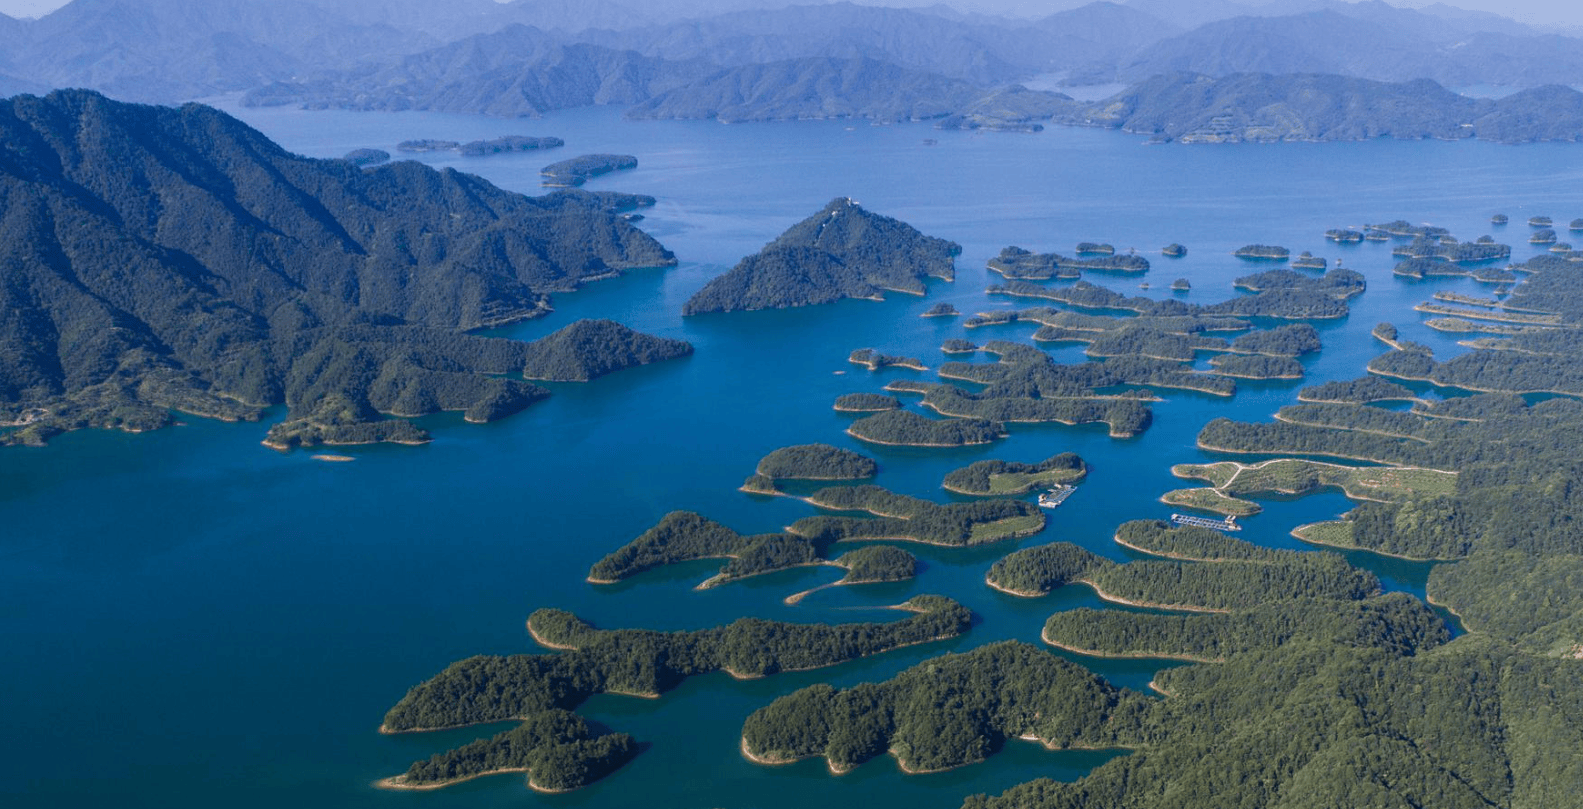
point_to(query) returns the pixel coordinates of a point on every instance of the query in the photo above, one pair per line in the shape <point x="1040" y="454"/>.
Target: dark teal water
<point x="192" y="620"/>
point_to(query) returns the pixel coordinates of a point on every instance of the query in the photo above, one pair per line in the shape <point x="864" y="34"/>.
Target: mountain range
<point x="159" y="259"/>
<point x="529" y="56"/>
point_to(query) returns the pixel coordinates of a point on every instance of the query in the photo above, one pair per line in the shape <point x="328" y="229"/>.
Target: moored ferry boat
<point x="1227" y="524"/>
<point x="1056" y="496"/>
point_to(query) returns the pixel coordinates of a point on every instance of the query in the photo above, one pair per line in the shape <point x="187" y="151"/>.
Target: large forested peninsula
<point x="843" y="251"/>
<point x="168" y="258"/>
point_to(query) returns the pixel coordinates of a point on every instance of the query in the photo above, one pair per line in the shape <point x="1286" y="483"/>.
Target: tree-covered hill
<point x="843" y="251"/>
<point x="159" y="258"/>
<point x="592" y="348"/>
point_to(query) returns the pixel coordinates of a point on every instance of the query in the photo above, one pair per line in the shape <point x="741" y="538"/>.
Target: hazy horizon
<point x="1533" y="12"/>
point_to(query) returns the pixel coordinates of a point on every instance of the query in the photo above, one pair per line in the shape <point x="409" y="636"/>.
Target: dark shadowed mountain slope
<point x="155" y="258"/>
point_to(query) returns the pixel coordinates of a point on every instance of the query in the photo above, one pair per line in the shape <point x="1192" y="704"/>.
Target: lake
<point x="193" y="620"/>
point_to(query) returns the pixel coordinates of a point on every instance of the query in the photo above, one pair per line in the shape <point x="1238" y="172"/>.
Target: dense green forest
<point x="509" y="143"/>
<point x="684" y="536"/>
<point x="1357" y="391"/>
<point x="874" y="360"/>
<point x="947" y="712"/>
<point x="1015" y="262"/>
<point x="592" y="348"/>
<point x="556" y="747"/>
<point x="1338" y="283"/>
<point x="941" y="310"/>
<point x="1263" y="251"/>
<point x="1257" y="366"/>
<point x="866" y="402"/>
<point x="842" y="251"/>
<point x="1010" y="477"/>
<point x="1397" y="623"/>
<point x="276" y="279"/>
<point x="1126" y="417"/>
<point x="635" y="661"/>
<point x="540" y="689"/>
<point x="817" y="462"/>
<point x="1026" y="372"/>
<point x="1318" y="300"/>
<point x="1134" y="340"/>
<point x="898" y="516"/>
<point x="1038" y="570"/>
<point x="1291" y="340"/>
<point x="877" y="563"/>
<point x="903" y="427"/>
<point x="580" y="169"/>
<point x="1492" y="371"/>
<point x="957" y="345"/>
<point x="1309" y="261"/>
<point x="1208" y="571"/>
<point x="1313" y="725"/>
<point x="1535" y="603"/>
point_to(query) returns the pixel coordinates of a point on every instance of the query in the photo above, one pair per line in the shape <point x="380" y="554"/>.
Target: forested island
<point x="1291" y="300"/>
<point x="343" y="330"/>
<point x="874" y="360"/>
<point x="1015" y="262"/>
<point x="866" y="403"/>
<point x="685" y="536"/>
<point x="478" y="148"/>
<point x="1263" y="252"/>
<point x="645" y="662"/>
<point x="945" y="713"/>
<point x="589" y="349"/>
<point x="905" y="428"/>
<point x="581" y="169"/>
<point x="814" y="461"/>
<point x="557" y="747"/>
<point x="911" y="519"/>
<point x="1010" y="477"/>
<point x="1205" y="571"/>
<point x="843" y="251"/>
<point x="1396" y="622"/>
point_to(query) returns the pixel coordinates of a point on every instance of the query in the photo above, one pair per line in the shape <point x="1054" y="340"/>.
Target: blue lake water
<point x="190" y="619"/>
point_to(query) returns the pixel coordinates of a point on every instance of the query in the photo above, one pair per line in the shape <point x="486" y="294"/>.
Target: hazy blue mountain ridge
<point x="1244" y="107"/>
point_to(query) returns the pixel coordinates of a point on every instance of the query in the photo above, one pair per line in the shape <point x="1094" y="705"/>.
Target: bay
<point x="191" y="619"/>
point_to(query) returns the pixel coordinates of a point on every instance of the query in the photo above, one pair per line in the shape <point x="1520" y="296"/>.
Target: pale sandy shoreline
<point x="1044" y="636"/>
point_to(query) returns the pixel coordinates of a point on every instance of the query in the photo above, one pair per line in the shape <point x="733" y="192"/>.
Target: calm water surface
<point x="193" y="620"/>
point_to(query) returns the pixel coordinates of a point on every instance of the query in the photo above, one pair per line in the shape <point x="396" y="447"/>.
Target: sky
<point x="1535" y="12"/>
